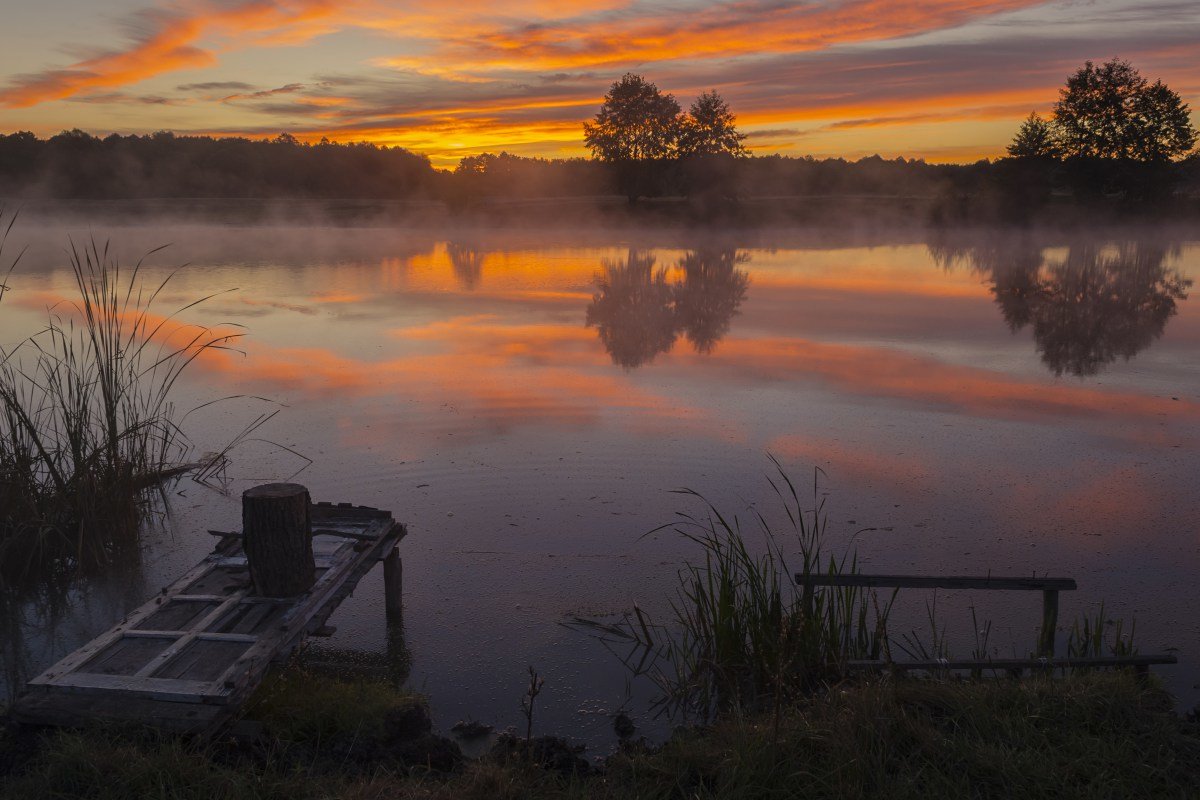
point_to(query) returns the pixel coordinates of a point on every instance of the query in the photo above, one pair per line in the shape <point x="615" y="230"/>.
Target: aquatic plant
<point x="88" y="429"/>
<point x="1089" y="636"/>
<point x="742" y="634"/>
<point x="536" y="682"/>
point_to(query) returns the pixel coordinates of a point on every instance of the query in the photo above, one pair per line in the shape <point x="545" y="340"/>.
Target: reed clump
<point x="88" y="430"/>
<point x="741" y="635"/>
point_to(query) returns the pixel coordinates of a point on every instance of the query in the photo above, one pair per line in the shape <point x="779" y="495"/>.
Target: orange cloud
<point x="173" y="44"/>
<point x="856" y="465"/>
<point x="883" y="372"/>
<point x="725" y="30"/>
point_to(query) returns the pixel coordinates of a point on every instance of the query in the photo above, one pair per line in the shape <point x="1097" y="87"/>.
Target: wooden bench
<point x="1049" y="587"/>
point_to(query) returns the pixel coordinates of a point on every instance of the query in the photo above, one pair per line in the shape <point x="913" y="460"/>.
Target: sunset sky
<point x="946" y="80"/>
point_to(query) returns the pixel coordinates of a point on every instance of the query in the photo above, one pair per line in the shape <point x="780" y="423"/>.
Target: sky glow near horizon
<point x="944" y="80"/>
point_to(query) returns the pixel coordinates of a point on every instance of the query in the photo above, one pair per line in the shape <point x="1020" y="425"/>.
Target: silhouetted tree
<point x="710" y="129"/>
<point x="635" y="130"/>
<point x="633" y="310"/>
<point x="637" y="122"/>
<point x="708" y="297"/>
<point x="1034" y="139"/>
<point x="709" y="142"/>
<point x="1025" y="179"/>
<point x="1112" y="112"/>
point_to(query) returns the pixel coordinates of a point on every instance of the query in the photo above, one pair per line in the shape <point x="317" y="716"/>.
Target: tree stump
<point x="278" y="539"/>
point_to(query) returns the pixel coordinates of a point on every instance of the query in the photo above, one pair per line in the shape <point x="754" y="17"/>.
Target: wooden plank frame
<point x="67" y="693"/>
<point x="1049" y="587"/>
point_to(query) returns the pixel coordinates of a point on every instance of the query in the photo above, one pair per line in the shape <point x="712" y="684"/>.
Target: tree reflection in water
<point x="709" y="295"/>
<point x="639" y="313"/>
<point x="467" y="261"/>
<point x="1098" y="304"/>
<point x="634" y="310"/>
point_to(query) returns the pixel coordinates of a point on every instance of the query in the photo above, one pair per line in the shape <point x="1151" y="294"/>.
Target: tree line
<point x="75" y="164"/>
<point x="1113" y="133"/>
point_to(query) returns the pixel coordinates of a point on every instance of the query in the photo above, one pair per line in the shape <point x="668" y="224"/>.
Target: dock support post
<point x="1049" y="623"/>
<point x="393" y="585"/>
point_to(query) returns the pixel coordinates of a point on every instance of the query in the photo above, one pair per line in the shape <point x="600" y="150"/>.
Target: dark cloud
<point x="215" y="86"/>
<point x="291" y="88"/>
<point x="123" y="98"/>
<point x="776" y="133"/>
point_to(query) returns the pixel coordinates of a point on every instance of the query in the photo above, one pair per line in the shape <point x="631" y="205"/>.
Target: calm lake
<point x="978" y="401"/>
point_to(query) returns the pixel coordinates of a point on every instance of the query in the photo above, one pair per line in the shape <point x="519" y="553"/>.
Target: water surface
<point x="983" y="401"/>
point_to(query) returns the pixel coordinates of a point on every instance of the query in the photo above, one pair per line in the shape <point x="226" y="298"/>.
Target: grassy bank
<point x="1086" y="736"/>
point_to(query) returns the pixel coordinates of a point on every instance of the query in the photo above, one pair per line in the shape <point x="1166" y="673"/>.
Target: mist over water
<point x="990" y="400"/>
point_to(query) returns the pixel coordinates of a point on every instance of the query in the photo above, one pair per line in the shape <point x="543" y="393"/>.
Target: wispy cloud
<point x="215" y="86"/>
<point x="169" y="40"/>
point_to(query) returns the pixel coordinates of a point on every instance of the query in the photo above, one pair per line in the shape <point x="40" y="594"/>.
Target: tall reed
<point x="1089" y="636"/>
<point x="88" y="430"/>
<point x="741" y="634"/>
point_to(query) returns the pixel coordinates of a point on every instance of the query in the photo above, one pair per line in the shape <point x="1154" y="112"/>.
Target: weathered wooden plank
<point x="1018" y="663"/>
<point x="938" y="582"/>
<point x="219" y="579"/>
<point x="77" y="709"/>
<point x="344" y="511"/>
<point x="127" y="655"/>
<point x="215" y="636"/>
<point x="1049" y="623"/>
<point x="184" y="642"/>
<point x="166" y="689"/>
<point x="177" y="615"/>
<point x="393" y="585"/>
<point x="350" y="531"/>
<point x="249" y="617"/>
<point x="204" y="659"/>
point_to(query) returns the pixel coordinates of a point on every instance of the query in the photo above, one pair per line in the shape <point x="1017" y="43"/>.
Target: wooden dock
<point x="189" y="658"/>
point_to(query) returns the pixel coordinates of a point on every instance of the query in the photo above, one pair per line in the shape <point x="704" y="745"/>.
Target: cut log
<point x="277" y="540"/>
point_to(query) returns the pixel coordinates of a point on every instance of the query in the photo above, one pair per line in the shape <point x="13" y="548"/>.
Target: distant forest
<point x="76" y="165"/>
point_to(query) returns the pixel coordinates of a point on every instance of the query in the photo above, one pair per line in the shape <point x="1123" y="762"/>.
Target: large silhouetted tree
<point x="637" y="122"/>
<point x="1112" y="112"/>
<point x="636" y="129"/>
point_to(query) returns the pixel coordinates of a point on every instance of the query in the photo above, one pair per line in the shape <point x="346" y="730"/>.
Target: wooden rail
<point x="939" y="582"/>
<point x="1018" y="665"/>
<point x="1049" y="587"/>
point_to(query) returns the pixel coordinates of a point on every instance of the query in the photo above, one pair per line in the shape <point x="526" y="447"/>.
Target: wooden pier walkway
<point x="189" y="658"/>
